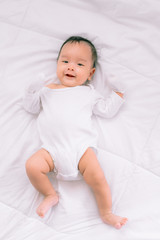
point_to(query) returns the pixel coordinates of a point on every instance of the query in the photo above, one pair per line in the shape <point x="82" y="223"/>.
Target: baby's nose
<point x="71" y="67"/>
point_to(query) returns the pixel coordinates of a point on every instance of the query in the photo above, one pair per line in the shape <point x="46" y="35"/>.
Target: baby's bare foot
<point x="113" y="220"/>
<point x="48" y="202"/>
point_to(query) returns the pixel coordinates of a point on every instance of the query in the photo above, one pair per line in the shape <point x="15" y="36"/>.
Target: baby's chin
<point x="69" y="83"/>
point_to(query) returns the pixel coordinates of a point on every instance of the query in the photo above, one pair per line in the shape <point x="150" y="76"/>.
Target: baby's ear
<point x="92" y="71"/>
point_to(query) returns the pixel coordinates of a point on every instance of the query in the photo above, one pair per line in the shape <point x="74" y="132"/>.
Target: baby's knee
<point x="98" y="177"/>
<point x="30" y="165"/>
<point x="94" y="178"/>
<point x="40" y="162"/>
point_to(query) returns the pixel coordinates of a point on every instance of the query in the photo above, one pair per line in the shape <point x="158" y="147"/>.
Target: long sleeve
<point x="31" y="102"/>
<point x="107" y="108"/>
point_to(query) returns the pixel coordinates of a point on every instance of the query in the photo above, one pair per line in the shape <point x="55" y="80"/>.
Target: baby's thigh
<point x="90" y="168"/>
<point x="89" y="161"/>
<point x="41" y="160"/>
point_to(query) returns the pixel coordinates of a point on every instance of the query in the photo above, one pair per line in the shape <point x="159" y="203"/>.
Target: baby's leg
<point x="37" y="166"/>
<point x="94" y="177"/>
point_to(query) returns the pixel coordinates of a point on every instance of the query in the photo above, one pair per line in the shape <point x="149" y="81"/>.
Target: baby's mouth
<point x="70" y="75"/>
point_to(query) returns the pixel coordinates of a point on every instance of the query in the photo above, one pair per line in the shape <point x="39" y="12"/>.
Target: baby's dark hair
<point x="79" y="39"/>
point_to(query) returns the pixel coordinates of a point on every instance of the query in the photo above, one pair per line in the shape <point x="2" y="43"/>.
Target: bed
<point x="126" y="35"/>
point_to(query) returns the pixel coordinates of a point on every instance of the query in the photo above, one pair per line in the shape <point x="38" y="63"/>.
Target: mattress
<point x="126" y="35"/>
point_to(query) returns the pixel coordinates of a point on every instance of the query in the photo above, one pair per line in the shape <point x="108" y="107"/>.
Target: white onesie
<point x="65" y="122"/>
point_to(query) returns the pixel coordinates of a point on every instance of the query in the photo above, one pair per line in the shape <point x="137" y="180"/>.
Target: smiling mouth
<point x="70" y="75"/>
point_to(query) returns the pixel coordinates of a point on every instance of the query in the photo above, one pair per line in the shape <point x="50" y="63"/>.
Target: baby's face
<point x="75" y="64"/>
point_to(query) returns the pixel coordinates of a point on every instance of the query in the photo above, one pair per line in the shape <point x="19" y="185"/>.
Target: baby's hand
<point x="120" y="94"/>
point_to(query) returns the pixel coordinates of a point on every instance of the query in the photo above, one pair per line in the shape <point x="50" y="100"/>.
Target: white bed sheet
<point x="127" y="38"/>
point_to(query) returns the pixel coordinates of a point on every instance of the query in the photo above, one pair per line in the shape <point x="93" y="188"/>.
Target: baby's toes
<point x="121" y="223"/>
<point x="124" y="220"/>
<point x="118" y="225"/>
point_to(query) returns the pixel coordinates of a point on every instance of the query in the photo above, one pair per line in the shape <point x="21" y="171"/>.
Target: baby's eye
<point x="65" y="61"/>
<point x="80" y="64"/>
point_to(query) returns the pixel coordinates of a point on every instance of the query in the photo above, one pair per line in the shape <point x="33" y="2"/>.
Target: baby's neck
<point x="56" y="86"/>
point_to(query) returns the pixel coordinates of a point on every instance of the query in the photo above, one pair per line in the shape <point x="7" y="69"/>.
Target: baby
<point x="69" y="141"/>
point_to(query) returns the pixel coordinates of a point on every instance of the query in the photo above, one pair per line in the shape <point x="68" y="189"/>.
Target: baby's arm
<point x="107" y="108"/>
<point x="31" y="100"/>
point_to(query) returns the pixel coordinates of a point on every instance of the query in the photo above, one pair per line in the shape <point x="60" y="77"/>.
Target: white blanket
<point x="126" y="34"/>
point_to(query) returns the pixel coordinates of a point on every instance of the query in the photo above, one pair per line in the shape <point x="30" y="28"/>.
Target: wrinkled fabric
<point x="126" y="35"/>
